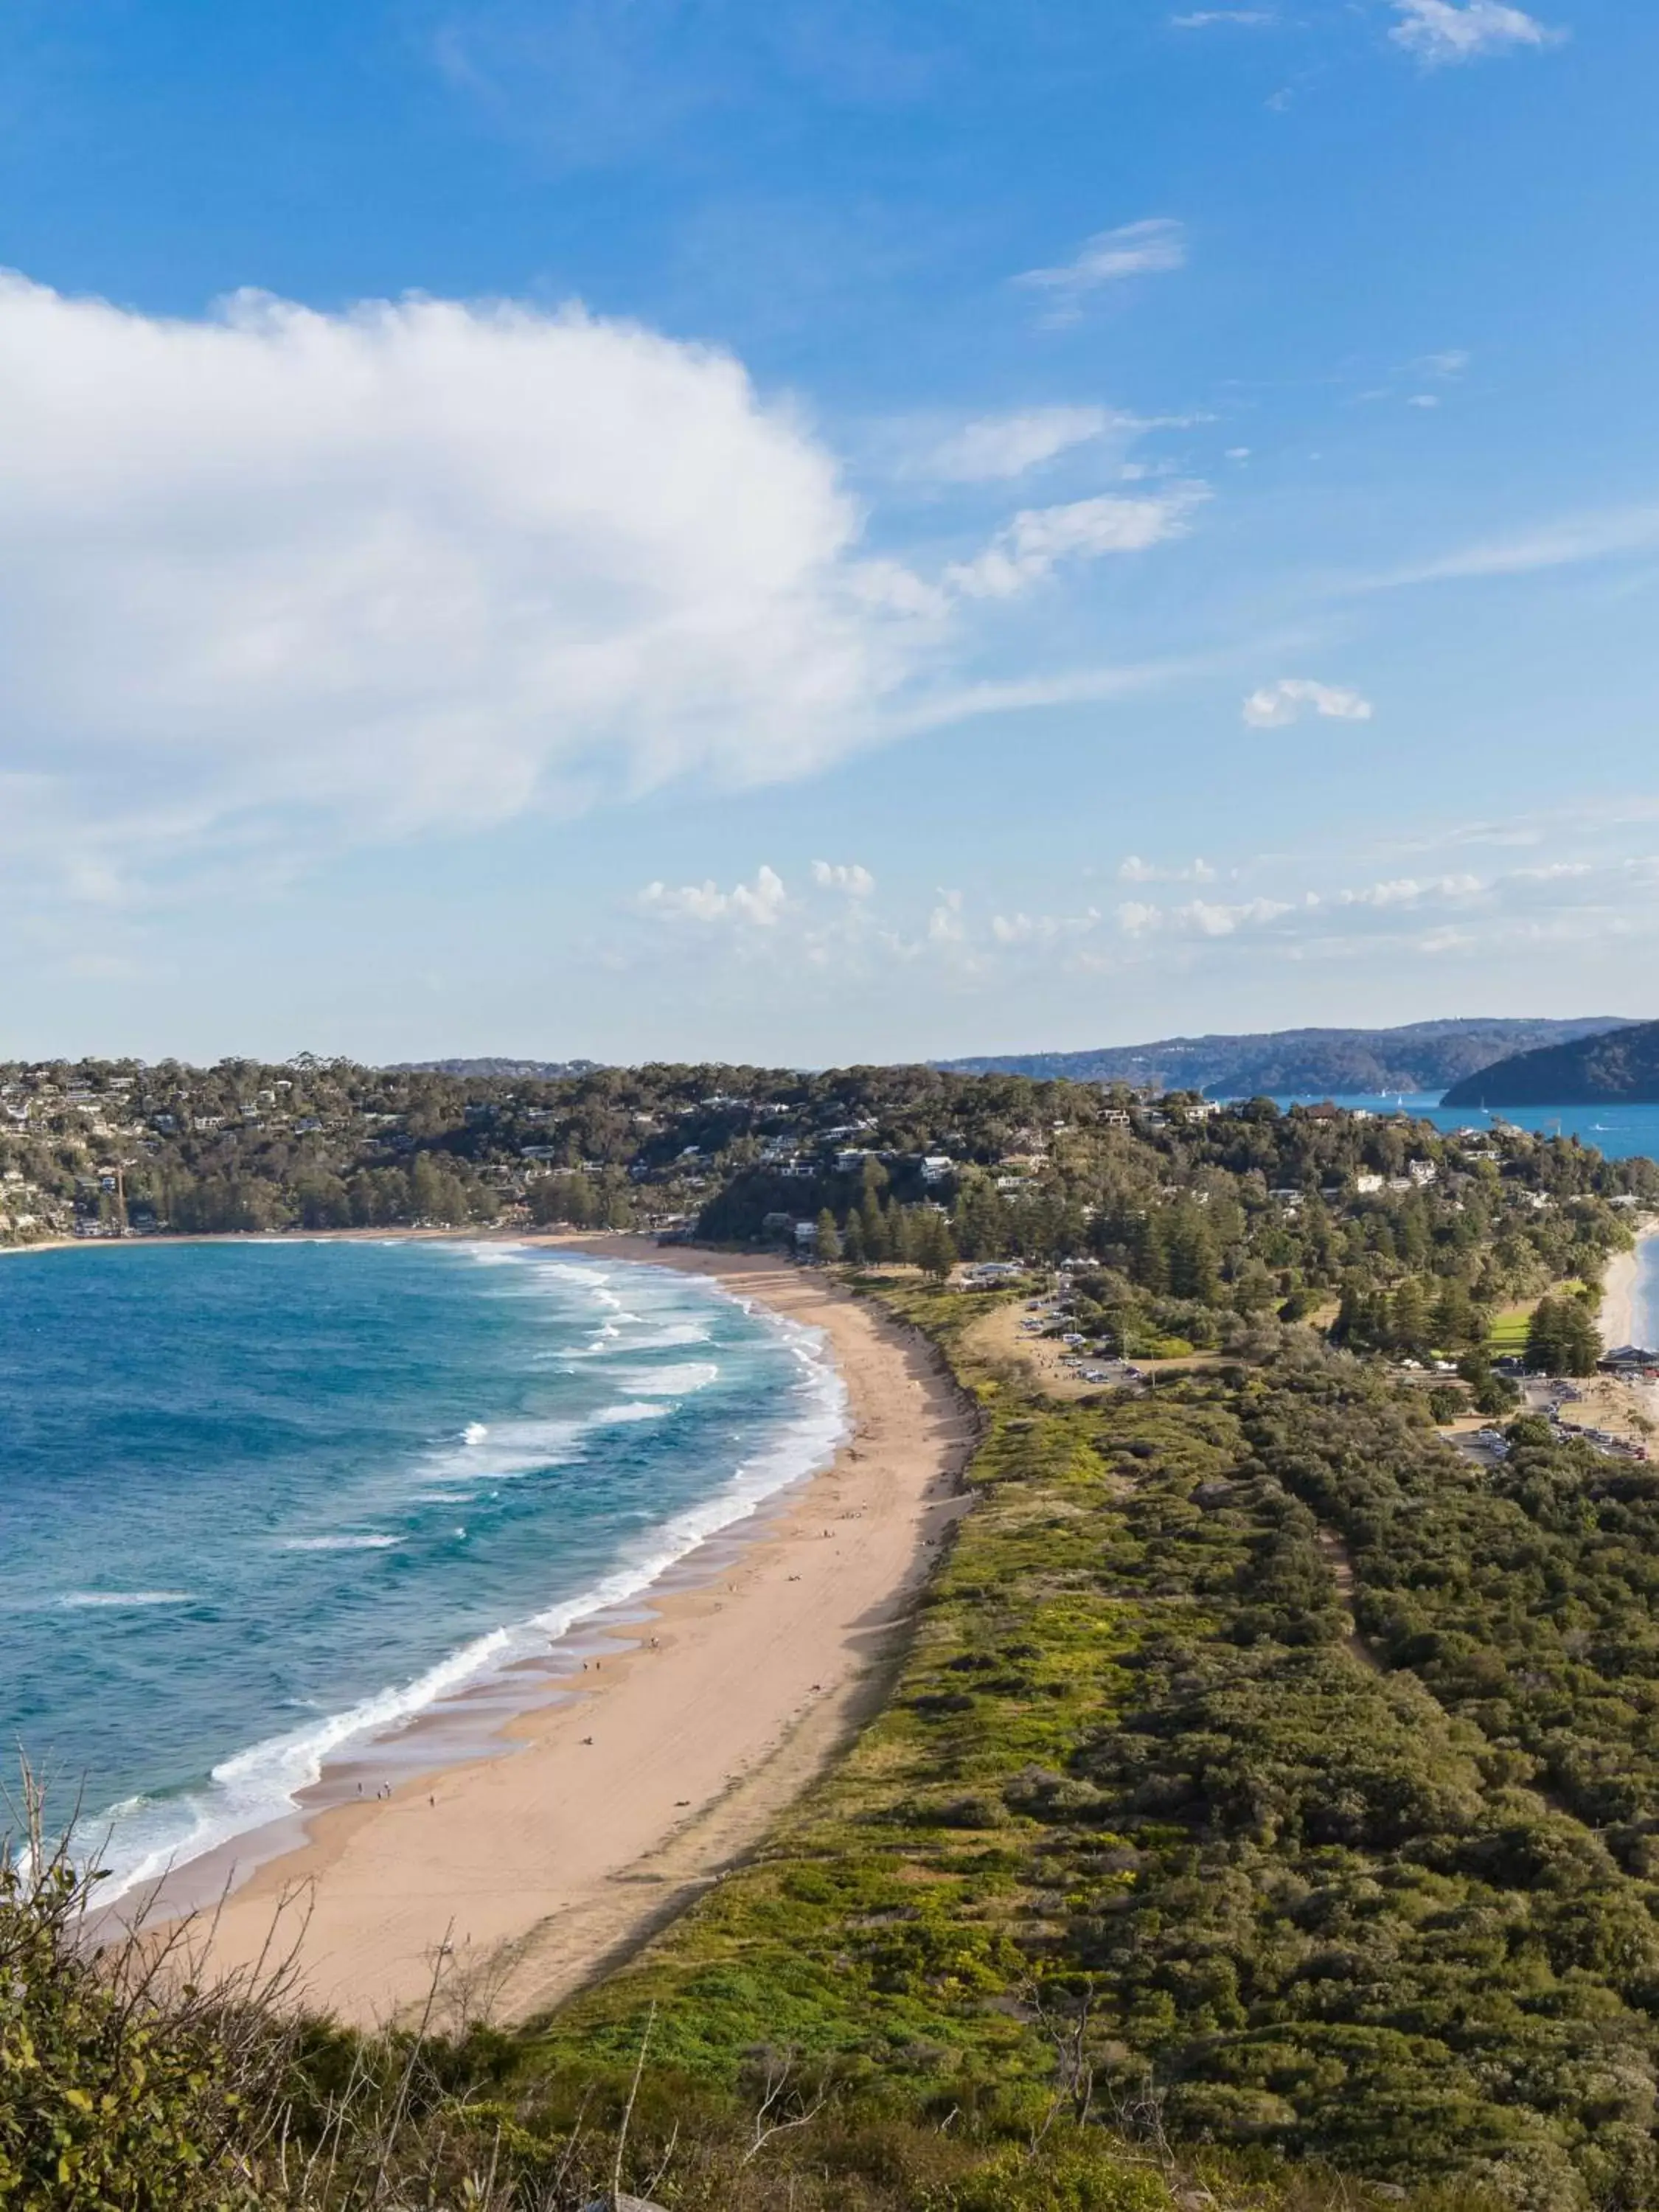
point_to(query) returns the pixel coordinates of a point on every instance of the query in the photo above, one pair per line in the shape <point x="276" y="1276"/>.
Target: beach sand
<point x="673" y="1755"/>
<point x="1619" y="1316"/>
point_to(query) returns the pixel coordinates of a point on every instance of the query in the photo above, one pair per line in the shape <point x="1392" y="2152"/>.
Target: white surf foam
<point x="254" y="1787"/>
<point x="77" y="1601"/>
<point x="668" y="1382"/>
<point x="365" y="1543"/>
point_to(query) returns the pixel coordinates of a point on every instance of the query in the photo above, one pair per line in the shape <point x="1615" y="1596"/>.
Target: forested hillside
<point x="1191" y="1211"/>
<point x="1421" y="1056"/>
<point x="1619" y="1069"/>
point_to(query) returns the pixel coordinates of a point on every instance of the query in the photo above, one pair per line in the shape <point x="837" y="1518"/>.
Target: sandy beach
<point x="1619" y="1316"/>
<point x="523" y="1874"/>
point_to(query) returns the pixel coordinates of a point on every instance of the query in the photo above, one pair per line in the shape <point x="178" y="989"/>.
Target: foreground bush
<point x="128" y="2085"/>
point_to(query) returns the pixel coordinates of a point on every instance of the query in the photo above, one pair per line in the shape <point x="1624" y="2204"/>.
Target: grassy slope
<point x="956" y="1880"/>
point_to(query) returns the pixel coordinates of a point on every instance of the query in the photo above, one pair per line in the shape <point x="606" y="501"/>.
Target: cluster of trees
<point x="1238" y="1209"/>
<point x="1526" y="1599"/>
<point x="1563" y="1337"/>
<point x="872" y="1233"/>
<point x="1411" y="1319"/>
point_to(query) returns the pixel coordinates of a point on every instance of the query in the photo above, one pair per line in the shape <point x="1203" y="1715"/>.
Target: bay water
<point x="1619" y="1132"/>
<point x="264" y="1502"/>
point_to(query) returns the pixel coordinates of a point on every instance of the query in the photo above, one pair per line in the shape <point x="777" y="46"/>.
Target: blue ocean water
<point x="1621" y="1133"/>
<point x="260" y="1502"/>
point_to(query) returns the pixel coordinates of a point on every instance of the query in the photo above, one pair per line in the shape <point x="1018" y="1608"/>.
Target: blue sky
<point x="641" y="528"/>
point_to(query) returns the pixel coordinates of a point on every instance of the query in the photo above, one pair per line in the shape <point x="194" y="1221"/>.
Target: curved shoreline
<point x="1622" y="1290"/>
<point x="719" y="1696"/>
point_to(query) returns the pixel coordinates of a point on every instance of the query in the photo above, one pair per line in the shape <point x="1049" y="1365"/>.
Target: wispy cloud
<point x="1039" y="538"/>
<point x="1441" y="31"/>
<point x="1244" y="19"/>
<point x="1560" y="545"/>
<point x="1074" y="687"/>
<point x="997" y="447"/>
<point x="1149" y="248"/>
<point x="1274" y="705"/>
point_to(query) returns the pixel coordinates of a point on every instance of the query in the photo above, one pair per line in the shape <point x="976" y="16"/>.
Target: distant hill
<point x="1621" y="1068"/>
<point x="547" y="1070"/>
<point x="1421" y="1056"/>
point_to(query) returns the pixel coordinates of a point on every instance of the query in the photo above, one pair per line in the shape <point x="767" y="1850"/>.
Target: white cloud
<point x="1003" y="446"/>
<point x="1200" y="917"/>
<point x="1135" y="870"/>
<point x="1439" y="31"/>
<point x="1010" y="929"/>
<point x="946" y="924"/>
<point x="1213" y="920"/>
<point x="1149" y="248"/>
<point x="843" y="876"/>
<point x="1038" y="538"/>
<point x="1425" y="400"/>
<point x="1241" y="18"/>
<point x="1408" y="890"/>
<point x="284" y="578"/>
<point x="757" y="905"/>
<point x="1277" y="704"/>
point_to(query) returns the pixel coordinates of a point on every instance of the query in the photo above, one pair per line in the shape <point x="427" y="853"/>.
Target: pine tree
<point x="1580" y="1340"/>
<point x="829" y="1236"/>
<point x="872" y="1225"/>
<point x="1453" y="1319"/>
<point x="1408" y="1320"/>
<point x="1544" y="1339"/>
<point x="934" y="1250"/>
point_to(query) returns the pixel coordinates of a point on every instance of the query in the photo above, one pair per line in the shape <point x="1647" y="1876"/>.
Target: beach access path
<point x="520" y="1877"/>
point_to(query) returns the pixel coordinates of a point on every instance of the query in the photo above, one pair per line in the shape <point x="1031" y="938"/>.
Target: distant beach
<point x="1630" y="1297"/>
<point x="699" y="1715"/>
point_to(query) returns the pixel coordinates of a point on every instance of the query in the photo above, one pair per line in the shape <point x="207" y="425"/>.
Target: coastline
<point x="708" y="1703"/>
<point x="1622" y="1316"/>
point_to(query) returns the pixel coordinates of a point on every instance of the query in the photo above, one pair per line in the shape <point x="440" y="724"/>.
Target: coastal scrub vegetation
<point x="1258" y="1761"/>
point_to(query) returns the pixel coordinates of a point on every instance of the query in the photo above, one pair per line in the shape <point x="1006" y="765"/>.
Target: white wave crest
<point x="691" y="1375"/>
<point x="261" y="1783"/>
<point x="365" y="1543"/>
<point x="82" y="1600"/>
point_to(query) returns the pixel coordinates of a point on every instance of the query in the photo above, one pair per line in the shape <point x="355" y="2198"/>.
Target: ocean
<point x="264" y="1504"/>
<point x="1621" y="1133"/>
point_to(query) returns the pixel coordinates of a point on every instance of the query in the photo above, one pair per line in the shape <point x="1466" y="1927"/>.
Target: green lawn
<point x="1508" y="1332"/>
